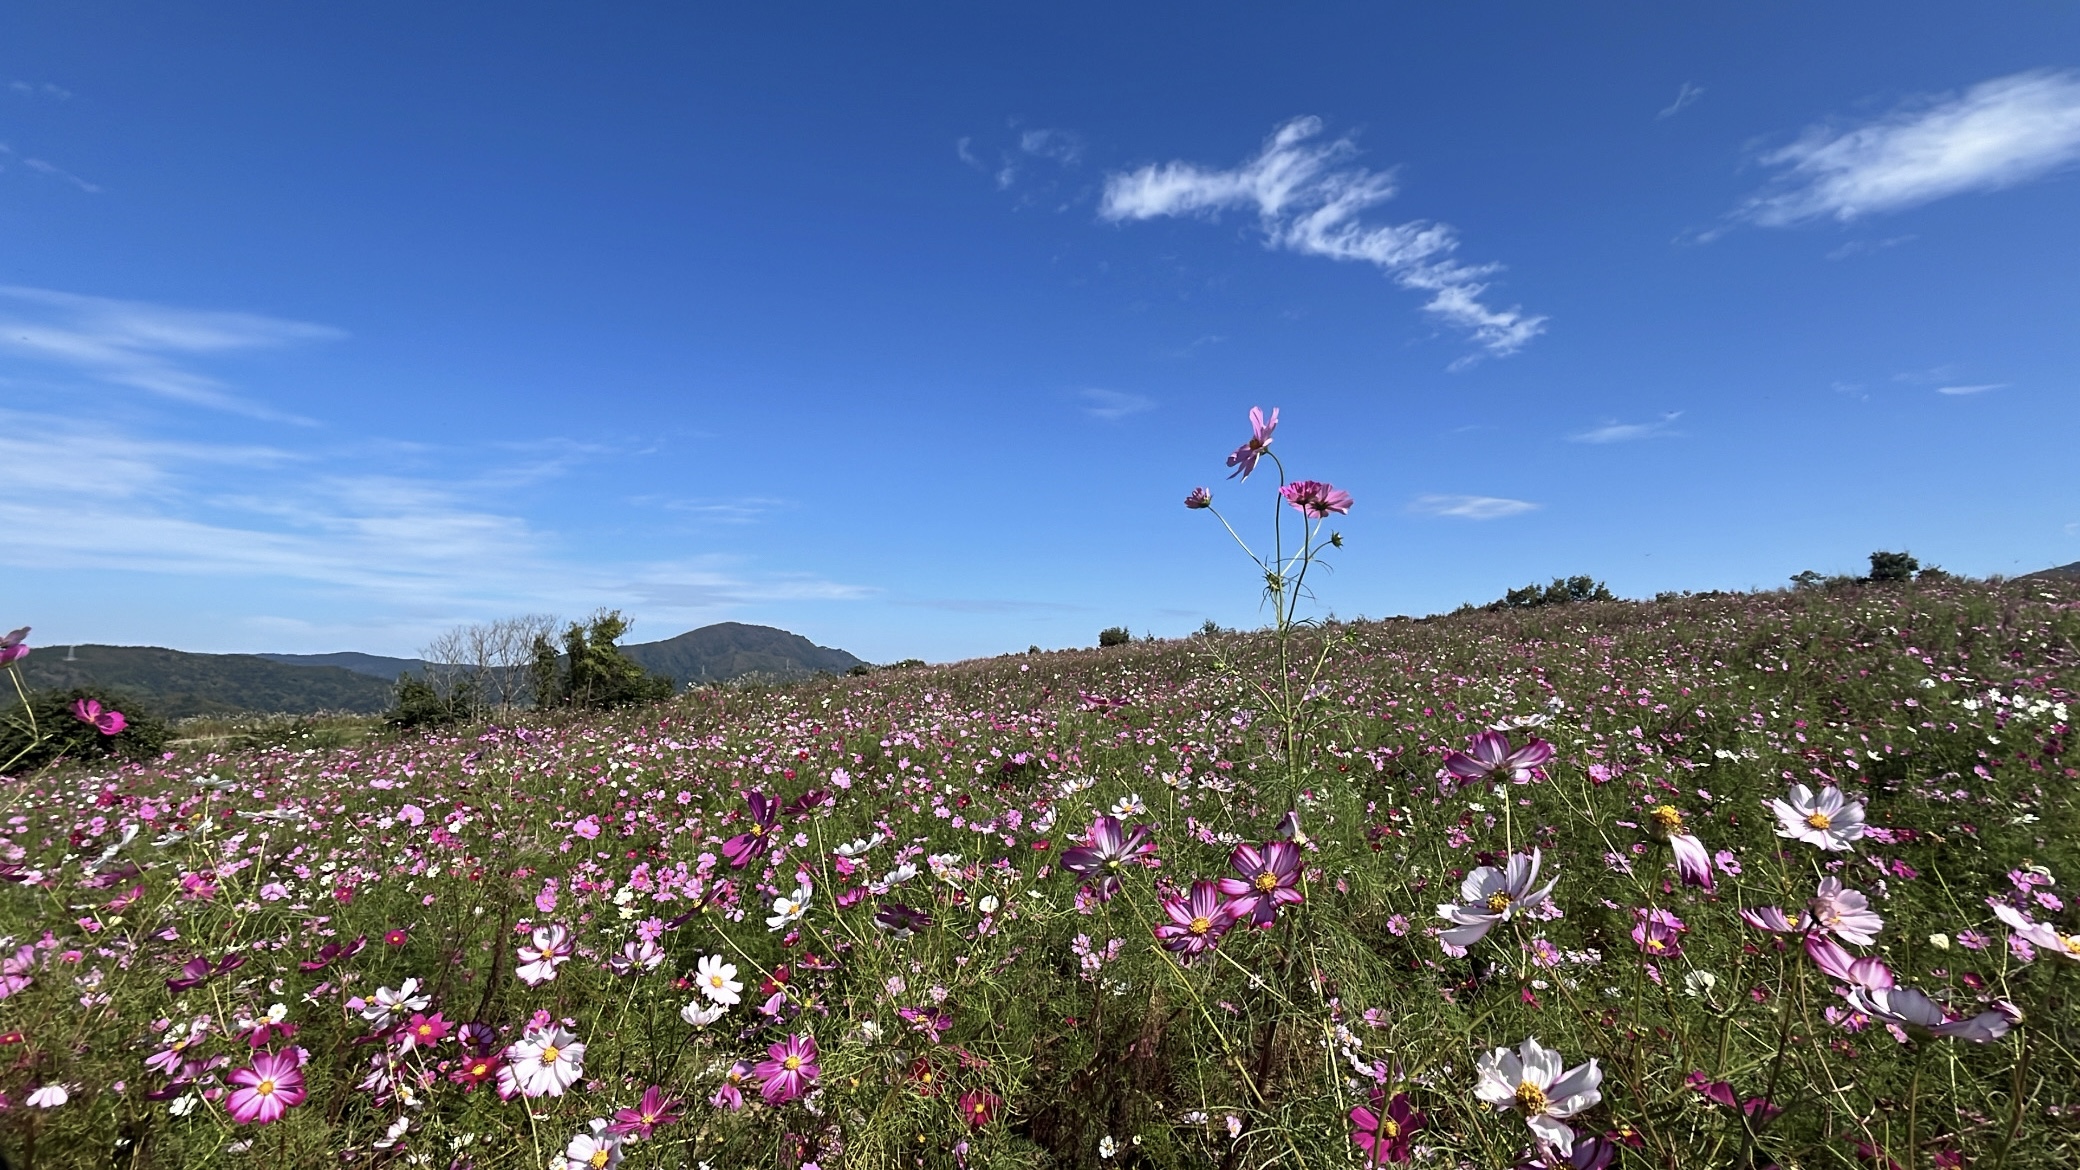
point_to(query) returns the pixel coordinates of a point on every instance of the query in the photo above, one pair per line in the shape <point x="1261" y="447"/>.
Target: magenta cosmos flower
<point x="654" y="1110"/>
<point x="1316" y="500"/>
<point x="12" y="650"/>
<point x="1385" y="1134"/>
<point x="1111" y="849"/>
<point x="267" y="1089"/>
<point x="1270" y="879"/>
<point x="1490" y="895"/>
<point x="105" y="721"/>
<point x="1199" y="498"/>
<point x="1657" y="932"/>
<point x="789" y="1071"/>
<point x="1244" y="460"/>
<point x="1488" y="757"/>
<point x="765" y="813"/>
<point x="1826" y="819"/>
<point x="1197" y="921"/>
<point x="1693" y="862"/>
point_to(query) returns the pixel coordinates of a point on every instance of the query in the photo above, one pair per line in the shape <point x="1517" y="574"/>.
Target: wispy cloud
<point x="48" y="170"/>
<point x="738" y="511"/>
<point x="1685" y="97"/>
<point x="1864" y="247"/>
<point x="1470" y="507"/>
<point x="1114" y="404"/>
<point x="1996" y="134"/>
<point x="1309" y="198"/>
<point x="1617" y="432"/>
<point x="1063" y="146"/>
<point x="42" y="89"/>
<point x="143" y="346"/>
<point x="1961" y="391"/>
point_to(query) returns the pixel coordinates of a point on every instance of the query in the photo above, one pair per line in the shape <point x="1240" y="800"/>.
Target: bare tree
<point x="486" y="663"/>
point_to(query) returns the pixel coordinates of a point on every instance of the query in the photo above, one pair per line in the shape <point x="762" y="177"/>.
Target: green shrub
<point x="48" y="729"/>
<point x="1893" y="566"/>
<point x="1114" y="636"/>
<point x="592" y="672"/>
<point x="420" y="704"/>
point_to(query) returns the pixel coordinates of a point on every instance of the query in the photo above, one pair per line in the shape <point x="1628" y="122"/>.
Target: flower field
<point x="1770" y="879"/>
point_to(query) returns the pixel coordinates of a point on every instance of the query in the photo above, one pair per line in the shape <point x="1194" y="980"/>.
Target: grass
<point x="1031" y="1024"/>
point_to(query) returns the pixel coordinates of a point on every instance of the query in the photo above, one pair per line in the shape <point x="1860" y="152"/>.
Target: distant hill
<point x="374" y="665"/>
<point x="733" y="650"/>
<point x="174" y="683"/>
<point x="2071" y="571"/>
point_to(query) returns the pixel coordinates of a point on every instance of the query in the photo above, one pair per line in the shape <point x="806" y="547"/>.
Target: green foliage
<point x="1562" y="591"/>
<point x="177" y="684"/>
<point x="1893" y="566"/>
<point x="1114" y="636"/>
<point x="47" y="730"/>
<point x="592" y="673"/>
<point x="419" y="704"/>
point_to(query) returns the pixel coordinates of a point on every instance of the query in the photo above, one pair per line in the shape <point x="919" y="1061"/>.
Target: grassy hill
<point x="174" y="684"/>
<point x="375" y="665"/>
<point x="732" y="650"/>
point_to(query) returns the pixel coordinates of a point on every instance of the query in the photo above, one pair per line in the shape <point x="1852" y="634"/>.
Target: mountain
<point x="733" y="650"/>
<point x="374" y="665"/>
<point x="2067" y="571"/>
<point x="174" y="683"/>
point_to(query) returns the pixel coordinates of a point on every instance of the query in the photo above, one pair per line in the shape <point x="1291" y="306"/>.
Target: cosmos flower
<point x="550" y="949"/>
<point x="718" y="980"/>
<point x="51" y="1096"/>
<point x="700" y="1013"/>
<point x="1197" y="920"/>
<point x="1693" y="861"/>
<point x="1827" y="820"/>
<point x="1199" y="497"/>
<point x="1111" y="850"/>
<point x="1836" y="910"/>
<point x="545" y="1061"/>
<point x="1657" y="932"/>
<point x="423" y="1032"/>
<point x="789" y="908"/>
<point x="901" y="921"/>
<point x="1905" y="1007"/>
<point x="1270" y="879"/>
<point x="1490" y="895"/>
<point x="636" y="957"/>
<point x="2039" y="934"/>
<point x="596" y="1147"/>
<point x="1244" y="459"/>
<point x="1316" y="500"/>
<point x="978" y="1106"/>
<point x="1384" y="1133"/>
<point x="387" y="1005"/>
<point x="107" y="722"/>
<point x="270" y="1087"/>
<point x="753" y="842"/>
<point x="1530" y="1081"/>
<point x="11" y="648"/>
<point x="789" y="1070"/>
<point x="1869" y="972"/>
<point x="1488" y="757"/>
<point x="654" y="1110"/>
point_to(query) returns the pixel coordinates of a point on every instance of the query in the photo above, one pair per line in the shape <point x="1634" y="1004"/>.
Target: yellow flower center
<point x="265" y="1088"/>
<point x="1666" y="819"/>
<point x="1531" y="1098"/>
<point x="1201" y="925"/>
<point x="2070" y="944"/>
<point x="791" y="1063"/>
<point x="758" y="830"/>
<point x="1389" y="1128"/>
<point x="1818" y="820"/>
<point x="549" y="1054"/>
<point x="599" y="1158"/>
<point x="1266" y="882"/>
<point x="1498" y="901"/>
<point x="715" y="981"/>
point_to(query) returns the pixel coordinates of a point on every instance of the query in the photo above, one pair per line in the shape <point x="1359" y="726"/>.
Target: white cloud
<point x="1960" y="391"/>
<point x="1861" y="247"/>
<point x="1996" y="134"/>
<point x="1114" y="404"/>
<point x="1063" y="146"/>
<point x="1617" y="432"/>
<point x="39" y="89"/>
<point x="1685" y="96"/>
<point x="1470" y="507"/>
<point x="140" y="346"/>
<point x="1308" y="197"/>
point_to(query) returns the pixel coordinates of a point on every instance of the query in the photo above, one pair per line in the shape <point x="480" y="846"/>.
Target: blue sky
<point x="908" y="327"/>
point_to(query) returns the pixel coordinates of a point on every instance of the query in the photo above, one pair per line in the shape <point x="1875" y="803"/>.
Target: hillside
<point x="374" y="665"/>
<point x="733" y="650"/>
<point x="2065" y="571"/>
<point x="174" y="683"/>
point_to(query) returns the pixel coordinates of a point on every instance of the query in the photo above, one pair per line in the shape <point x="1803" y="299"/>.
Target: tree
<point x="1114" y="636"/>
<point x="488" y="663"/>
<point x="592" y="671"/>
<point x="1892" y="566"/>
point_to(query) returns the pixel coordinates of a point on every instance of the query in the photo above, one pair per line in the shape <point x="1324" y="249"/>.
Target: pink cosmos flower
<point x="655" y="1109"/>
<point x="1826" y="820"/>
<point x="107" y="722"/>
<point x="424" y="1031"/>
<point x="2041" y="934"/>
<point x="552" y="948"/>
<point x="1385" y="1134"/>
<point x="1490" y="895"/>
<point x="14" y="970"/>
<point x="1905" y="1007"/>
<point x="11" y="648"/>
<point x="1693" y="863"/>
<point x="1658" y="932"/>
<point x="1111" y="849"/>
<point x="765" y="813"/>
<point x="1316" y="500"/>
<point x="1199" y="498"/>
<point x="1197" y="921"/>
<point x="266" y="1090"/>
<point x="1870" y="972"/>
<point x="789" y="1070"/>
<point x="730" y="1094"/>
<point x="1836" y="910"/>
<point x="1488" y="757"/>
<point x="1270" y="879"/>
<point x="1244" y="460"/>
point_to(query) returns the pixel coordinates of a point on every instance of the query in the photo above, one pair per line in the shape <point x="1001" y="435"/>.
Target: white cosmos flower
<point x="1530" y="1081"/>
<point x="718" y="980"/>
<point x="388" y="1005"/>
<point x="1130" y="806"/>
<point x="546" y="1061"/>
<point x="788" y="909"/>
<point x="594" y="1148"/>
<point x="1826" y="820"/>
<point x="859" y="846"/>
<point x="1490" y="895"/>
<point x="538" y="962"/>
<point x="700" y="1013"/>
<point x="48" y="1097"/>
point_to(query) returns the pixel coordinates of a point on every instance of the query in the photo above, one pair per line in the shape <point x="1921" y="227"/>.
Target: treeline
<point x="494" y="669"/>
